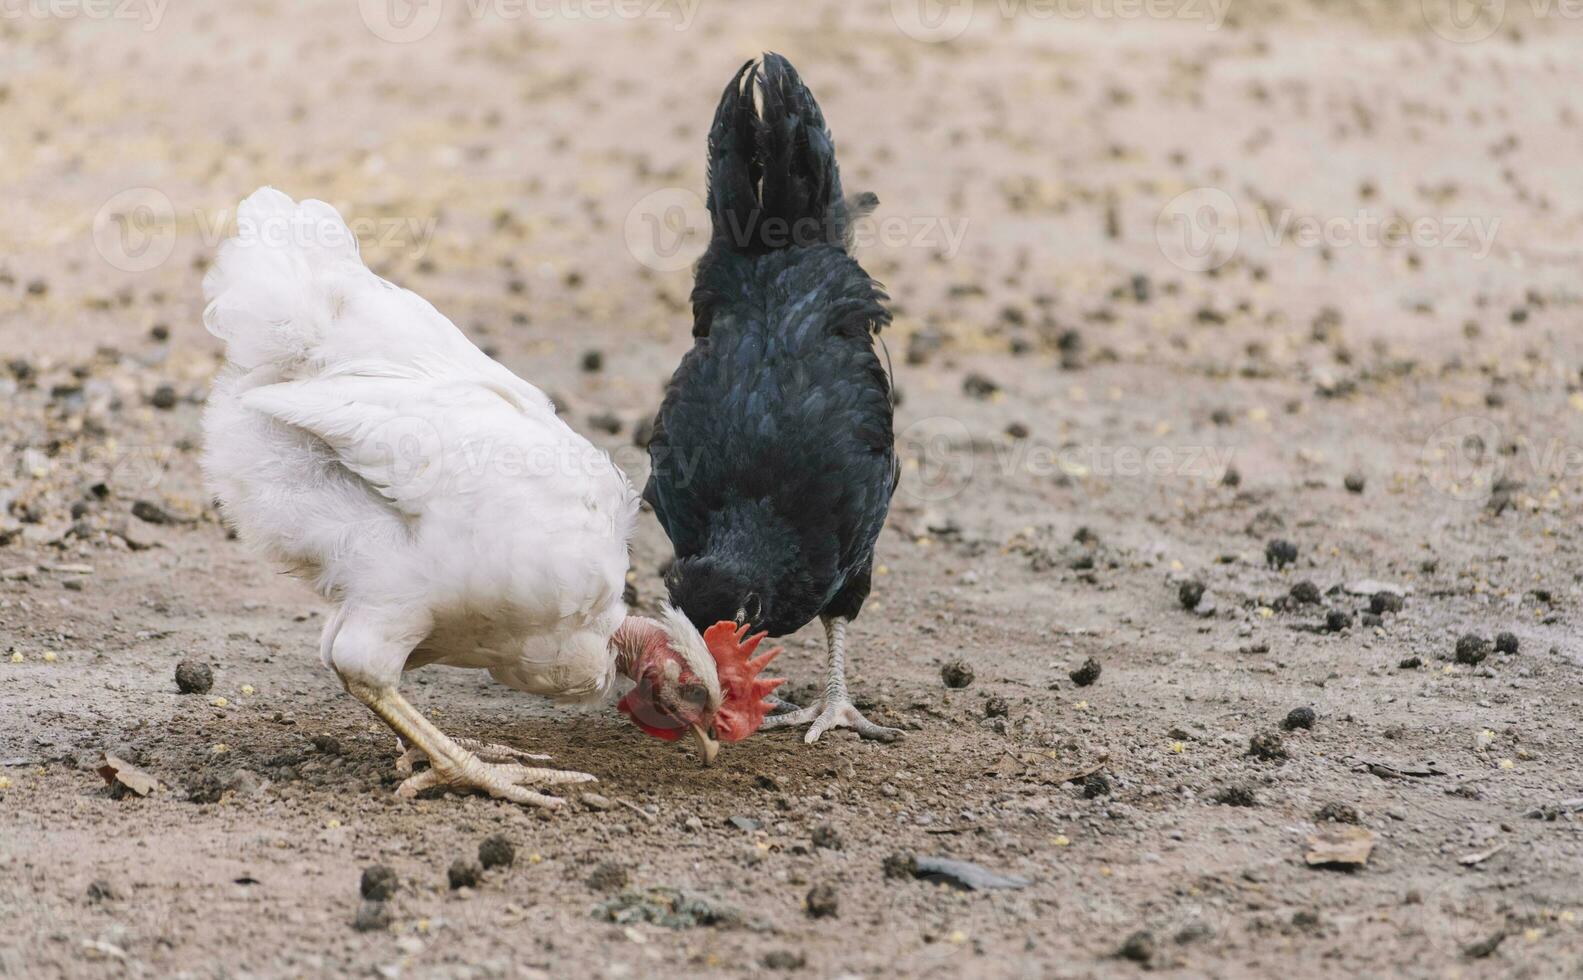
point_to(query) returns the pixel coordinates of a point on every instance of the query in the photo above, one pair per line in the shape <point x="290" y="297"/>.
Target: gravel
<point x="1302" y="717"/>
<point x="957" y="674"/>
<point x="463" y="874"/>
<point x="1279" y="552"/>
<point x="194" y="677"/>
<point x="379" y="883"/>
<point x="1267" y="747"/>
<point x="1087" y="674"/>
<point x="1472" y="649"/>
<point x="822" y="902"/>
<point x="496" y="852"/>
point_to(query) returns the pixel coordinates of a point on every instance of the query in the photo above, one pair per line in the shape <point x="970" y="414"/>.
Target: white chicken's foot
<point x="451" y="765"/>
<point x="835" y="709"/>
<point x="486" y="751"/>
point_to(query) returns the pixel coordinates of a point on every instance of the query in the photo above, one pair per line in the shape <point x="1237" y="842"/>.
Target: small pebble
<point x="997" y="707"/>
<point x="822" y="902"/>
<point x="194" y="677"/>
<point x="327" y="744"/>
<point x="901" y="864"/>
<point x="1096" y="784"/>
<point x="1306" y="593"/>
<point x="1267" y="746"/>
<point x="1337" y="620"/>
<point x="1381" y="603"/>
<point x="1472" y="649"/>
<point x="378" y="883"/>
<point x="1279" y="552"/>
<point x="1298" y="718"/>
<point x="1355" y="482"/>
<point x="1086" y="674"/>
<point x="100" y="890"/>
<point x="1507" y="643"/>
<point x="496" y="852"/>
<point x="1138" y="947"/>
<point x="957" y="674"/>
<point x="827" y="837"/>
<point x="150" y="512"/>
<point x="784" y="959"/>
<point x="978" y="386"/>
<point x="1190" y="593"/>
<point x="1338" y="813"/>
<point x="607" y="877"/>
<point x="593" y="361"/>
<point x="463" y="874"/>
<point x="164" y="397"/>
<point x="1236" y="796"/>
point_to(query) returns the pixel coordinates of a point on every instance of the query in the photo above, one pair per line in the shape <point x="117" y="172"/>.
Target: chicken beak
<point x="708" y="748"/>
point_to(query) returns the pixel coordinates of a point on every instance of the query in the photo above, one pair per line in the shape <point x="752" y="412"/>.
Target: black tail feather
<point x="773" y="178"/>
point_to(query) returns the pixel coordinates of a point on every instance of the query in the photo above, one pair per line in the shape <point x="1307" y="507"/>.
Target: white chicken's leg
<point x="452" y="766"/>
<point x="836" y="708"/>
<point x="362" y="652"/>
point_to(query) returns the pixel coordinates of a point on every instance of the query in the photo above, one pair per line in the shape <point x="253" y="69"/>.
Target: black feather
<point x="773" y="459"/>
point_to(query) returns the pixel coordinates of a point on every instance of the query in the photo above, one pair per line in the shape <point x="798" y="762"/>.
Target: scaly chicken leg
<point x="452" y="766"/>
<point x="835" y="709"/>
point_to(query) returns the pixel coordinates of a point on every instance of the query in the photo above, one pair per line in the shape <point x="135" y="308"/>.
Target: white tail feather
<point x="272" y="290"/>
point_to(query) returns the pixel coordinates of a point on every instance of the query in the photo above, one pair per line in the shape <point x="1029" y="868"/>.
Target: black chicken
<point x="773" y="456"/>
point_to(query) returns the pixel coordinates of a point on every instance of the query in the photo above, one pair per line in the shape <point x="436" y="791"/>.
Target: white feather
<point x="357" y="436"/>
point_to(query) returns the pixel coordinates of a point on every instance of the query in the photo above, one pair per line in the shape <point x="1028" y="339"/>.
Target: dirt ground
<point x="1170" y="286"/>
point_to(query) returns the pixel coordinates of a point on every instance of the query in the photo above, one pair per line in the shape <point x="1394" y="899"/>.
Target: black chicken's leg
<point x="835" y="709"/>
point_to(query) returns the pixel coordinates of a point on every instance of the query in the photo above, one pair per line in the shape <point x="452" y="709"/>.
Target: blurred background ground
<point x="1173" y="281"/>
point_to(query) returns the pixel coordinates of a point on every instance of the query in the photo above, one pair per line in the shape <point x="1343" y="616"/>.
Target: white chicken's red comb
<point x="742" y="693"/>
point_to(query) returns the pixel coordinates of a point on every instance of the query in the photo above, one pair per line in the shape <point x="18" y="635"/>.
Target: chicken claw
<point x="826" y="715"/>
<point x="486" y="751"/>
<point x="502" y="781"/>
<point x="835" y="709"/>
<point x="451" y="764"/>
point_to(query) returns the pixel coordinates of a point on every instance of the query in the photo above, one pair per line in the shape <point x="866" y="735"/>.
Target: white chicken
<point x="359" y="438"/>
